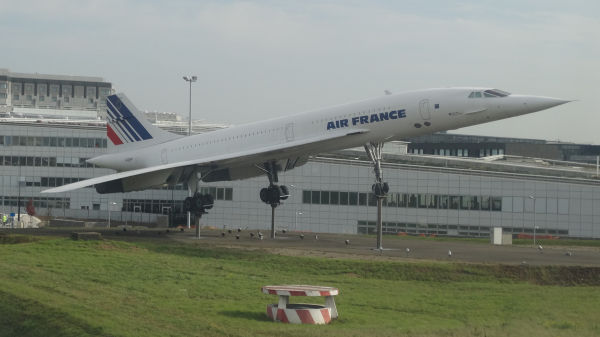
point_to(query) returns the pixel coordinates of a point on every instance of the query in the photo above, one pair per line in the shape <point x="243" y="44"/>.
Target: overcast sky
<point x="262" y="59"/>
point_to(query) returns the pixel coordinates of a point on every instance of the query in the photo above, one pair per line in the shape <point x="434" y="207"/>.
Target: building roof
<point x="47" y="77"/>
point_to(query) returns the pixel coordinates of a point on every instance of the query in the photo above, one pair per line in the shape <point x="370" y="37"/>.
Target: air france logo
<point x="366" y="119"/>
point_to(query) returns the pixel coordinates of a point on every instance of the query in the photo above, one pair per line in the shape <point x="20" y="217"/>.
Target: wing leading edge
<point x="278" y="151"/>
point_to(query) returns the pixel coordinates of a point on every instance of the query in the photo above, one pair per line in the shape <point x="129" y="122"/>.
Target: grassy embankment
<point x="60" y="287"/>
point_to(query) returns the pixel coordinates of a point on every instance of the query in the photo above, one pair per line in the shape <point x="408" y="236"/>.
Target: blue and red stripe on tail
<point x="127" y="128"/>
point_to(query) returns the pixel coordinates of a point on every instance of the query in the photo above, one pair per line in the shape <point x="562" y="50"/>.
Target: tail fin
<point x="127" y="127"/>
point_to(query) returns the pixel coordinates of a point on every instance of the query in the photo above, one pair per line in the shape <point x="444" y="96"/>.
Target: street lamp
<point x="534" y="226"/>
<point x="109" y="207"/>
<point x="298" y="212"/>
<point x="190" y="79"/>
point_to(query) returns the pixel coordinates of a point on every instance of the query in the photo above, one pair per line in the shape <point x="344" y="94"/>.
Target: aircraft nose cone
<point x="542" y="103"/>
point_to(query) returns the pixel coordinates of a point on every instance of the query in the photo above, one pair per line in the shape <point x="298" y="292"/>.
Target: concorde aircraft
<point x="146" y="156"/>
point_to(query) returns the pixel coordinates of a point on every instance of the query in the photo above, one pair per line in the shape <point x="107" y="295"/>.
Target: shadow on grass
<point x="24" y="318"/>
<point x="249" y="315"/>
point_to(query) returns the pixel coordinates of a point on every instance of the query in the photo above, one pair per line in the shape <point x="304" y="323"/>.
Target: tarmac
<point x="396" y="248"/>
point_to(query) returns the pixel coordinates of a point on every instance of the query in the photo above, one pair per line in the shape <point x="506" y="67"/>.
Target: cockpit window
<point x="496" y="93"/>
<point x="489" y="93"/>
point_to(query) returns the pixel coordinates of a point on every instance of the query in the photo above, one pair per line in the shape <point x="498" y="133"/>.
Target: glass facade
<point x="406" y="200"/>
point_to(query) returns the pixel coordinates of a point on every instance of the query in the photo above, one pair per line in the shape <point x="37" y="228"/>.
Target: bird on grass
<point x="301" y="236"/>
<point x="347" y="242"/>
<point x="449" y="253"/>
<point x="316" y="237"/>
<point x="407" y="251"/>
<point x="251" y="234"/>
<point x="223" y="234"/>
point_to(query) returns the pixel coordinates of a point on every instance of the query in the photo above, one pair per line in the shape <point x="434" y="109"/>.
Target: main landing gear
<point x="380" y="189"/>
<point x="198" y="204"/>
<point x="274" y="194"/>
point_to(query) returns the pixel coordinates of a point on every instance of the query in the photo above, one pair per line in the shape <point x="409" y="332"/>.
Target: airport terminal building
<point x="458" y="190"/>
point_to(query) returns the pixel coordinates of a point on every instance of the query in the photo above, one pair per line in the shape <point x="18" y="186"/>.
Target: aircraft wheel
<point x="285" y="192"/>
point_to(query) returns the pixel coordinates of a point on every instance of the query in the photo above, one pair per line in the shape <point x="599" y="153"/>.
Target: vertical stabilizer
<point x="127" y="127"/>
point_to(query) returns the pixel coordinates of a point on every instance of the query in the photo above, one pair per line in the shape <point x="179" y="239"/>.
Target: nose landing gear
<point x="380" y="188"/>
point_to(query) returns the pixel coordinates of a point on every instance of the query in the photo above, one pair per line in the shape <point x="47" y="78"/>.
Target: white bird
<point x="347" y="242"/>
<point x="316" y="237"/>
<point x="540" y="248"/>
<point x="449" y="253"/>
<point x="302" y="236"/>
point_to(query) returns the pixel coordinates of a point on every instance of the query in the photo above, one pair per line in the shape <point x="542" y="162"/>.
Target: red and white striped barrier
<point x="301" y="313"/>
<point x="300" y="290"/>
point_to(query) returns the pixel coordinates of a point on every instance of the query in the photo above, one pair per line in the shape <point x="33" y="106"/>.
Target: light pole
<point x="534" y="226"/>
<point x="190" y="79"/>
<point x="298" y="212"/>
<point x="109" y="207"/>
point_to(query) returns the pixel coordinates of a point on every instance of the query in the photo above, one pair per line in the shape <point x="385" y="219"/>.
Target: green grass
<point x="61" y="287"/>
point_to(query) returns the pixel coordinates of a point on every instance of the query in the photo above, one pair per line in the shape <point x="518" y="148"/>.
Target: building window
<point x="316" y="197"/>
<point x="353" y="198"/>
<point x="306" y="197"/>
<point x="343" y="198"/>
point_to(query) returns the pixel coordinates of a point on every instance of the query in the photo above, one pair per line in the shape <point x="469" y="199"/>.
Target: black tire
<point x="285" y="192"/>
<point x="197" y="204"/>
<point x="264" y="195"/>
<point x="377" y="190"/>
<point x="187" y="204"/>
<point x="274" y="195"/>
<point x="208" y="201"/>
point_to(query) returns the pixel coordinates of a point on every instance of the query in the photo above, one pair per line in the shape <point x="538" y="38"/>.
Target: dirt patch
<point x="551" y="275"/>
<point x="14" y="239"/>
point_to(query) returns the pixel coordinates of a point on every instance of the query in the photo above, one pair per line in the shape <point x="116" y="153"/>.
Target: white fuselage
<point x="380" y="119"/>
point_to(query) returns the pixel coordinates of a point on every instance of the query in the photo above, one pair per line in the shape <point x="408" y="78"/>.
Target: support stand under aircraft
<point x="380" y="189"/>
